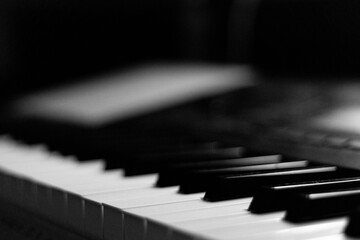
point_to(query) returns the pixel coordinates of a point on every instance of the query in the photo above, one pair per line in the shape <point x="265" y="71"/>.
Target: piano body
<point x="193" y="151"/>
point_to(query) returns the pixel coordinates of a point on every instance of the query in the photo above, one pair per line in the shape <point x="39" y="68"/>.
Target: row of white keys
<point x="93" y="204"/>
<point x="77" y="194"/>
<point x="230" y="223"/>
<point x="28" y="174"/>
<point x="33" y="176"/>
<point x="170" y="213"/>
<point x="59" y="195"/>
<point x="193" y="220"/>
<point x="106" y="205"/>
<point x="24" y="168"/>
<point x="114" y="226"/>
<point x="132" y="228"/>
<point x="251" y="227"/>
<point x="53" y="199"/>
<point x="98" y="205"/>
<point x="12" y="165"/>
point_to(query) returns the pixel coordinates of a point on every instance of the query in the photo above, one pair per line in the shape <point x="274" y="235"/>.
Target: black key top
<point x="278" y="197"/>
<point x="322" y="204"/>
<point x="238" y="186"/>
<point x="209" y="182"/>
<point x="198" y="180"/>
<point x="262" y="167"/>
<point x="174" y="175"/>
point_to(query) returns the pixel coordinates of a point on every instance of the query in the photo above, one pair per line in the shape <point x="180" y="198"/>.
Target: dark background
<point x="44" y="43"/>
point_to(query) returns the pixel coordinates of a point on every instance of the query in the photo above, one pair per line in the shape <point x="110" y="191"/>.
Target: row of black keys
<point x="307" y="191"/>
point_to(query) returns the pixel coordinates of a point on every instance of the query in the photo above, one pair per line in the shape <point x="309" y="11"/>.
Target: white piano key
<point x="137" y="216"/>
<point x="111" y="184"/>
<point x="94" y="209"/>
<point x="183" y="206"/>
<point x="310" y="230"/>
<point x="22" y="156"/>
<point x="47" y="169"/>
<point x="58" y="195"/>
<point x="76" y="216"/>
<point x="113" y="212"/>
<point x="189" y="230"/>
<point x="224" y="221"/>
<point x="20" y="172"/>
<point x="45" y="191"/>
<point x="23" y="174"/>
<point x="274" y="229"/>
<point x="6" y="143"/>
<point x="244" y="220"/>
<point x="45" y="181"/>
<point x="33" y="166"/>
<point x="133" y="209"/>
<point x="29" y="185"/>
<point x="159" y="226"/>
<point x="19" y="164"/>
<point x="340" y="236"/>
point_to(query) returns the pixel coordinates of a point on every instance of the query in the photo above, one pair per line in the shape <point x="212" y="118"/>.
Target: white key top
<point x="340" y="236"/>
<point x="274" y="229"/>
<point x="113" y="212"/>
<point x="57" y="201"/>
<point x="187" y="219"/>
<point x="75" y="198"/>
<point x="45" y="186"/>
<point x="225" y="221"/>
<point x="40" y="182"/>
<point x="192" y="210"/>
<point x="159" y="226"/>
<point x="14" y="169"/>
<point x="28" y="183"/>
<point x="243" y="219"/>
<point x="41" y="167"/>
<point x="94" y="207"/>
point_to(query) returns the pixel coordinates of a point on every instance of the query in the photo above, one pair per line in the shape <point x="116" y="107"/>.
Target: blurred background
<point x="44" y="43"/>
<point x="139" y="82"/>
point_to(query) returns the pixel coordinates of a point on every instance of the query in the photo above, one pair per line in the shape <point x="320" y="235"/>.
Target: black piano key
<point x="209" y="181"/>
<point x="322" y="204"/>
<point x="238" y="186"/>
<point x="174" y="175"/>
<point x="198" y="180"/>
<point x="275" y="198"/>
<point x="352" y="229"/>
<point x="248" y="158"/>
<point x="252" y="168"/>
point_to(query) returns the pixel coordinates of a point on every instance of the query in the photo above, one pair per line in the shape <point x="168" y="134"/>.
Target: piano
<point x="193" y="151"/>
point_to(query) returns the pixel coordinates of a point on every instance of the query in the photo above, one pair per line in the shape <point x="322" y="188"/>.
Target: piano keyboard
<point x="104" y="204"/>
<point x="209" y="169"/>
